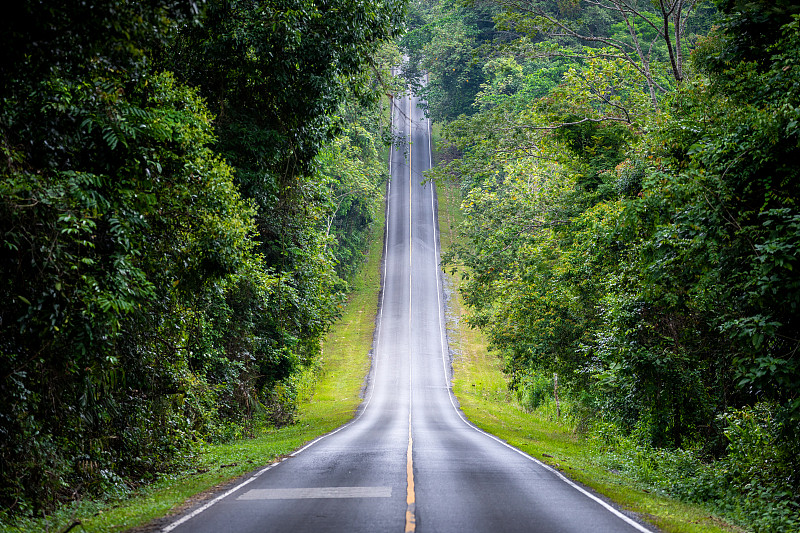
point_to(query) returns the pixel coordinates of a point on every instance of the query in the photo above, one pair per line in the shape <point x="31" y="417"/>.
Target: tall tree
<point x="163" y="268"/>
<point x="648" y="29"/>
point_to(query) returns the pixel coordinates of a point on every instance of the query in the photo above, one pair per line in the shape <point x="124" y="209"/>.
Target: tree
<point x="163" y="264"/>
<point x="443" y="45"/>
<point x="276" y="93"/>
<point x="648" y="28"/>
<point x="648" y="256"/>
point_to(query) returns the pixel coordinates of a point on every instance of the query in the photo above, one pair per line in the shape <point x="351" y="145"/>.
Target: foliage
<point x="443" y="44"/>
<point x="353" y="170"/>
<point x="741" y="485"/>
<point x="653" y="38"/>
<point x="646" y="254"/>
<point x="561" y="441"/>
<point x="277" y="94"/>
<point x="165" y="270"/>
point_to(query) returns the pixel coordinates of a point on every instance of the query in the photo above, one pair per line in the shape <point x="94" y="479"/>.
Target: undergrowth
<point x="744" y="485"/>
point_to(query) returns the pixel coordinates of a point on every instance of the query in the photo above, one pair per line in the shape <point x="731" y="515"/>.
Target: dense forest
<point x="630" y="174"/>
<point x="186" y="189"/>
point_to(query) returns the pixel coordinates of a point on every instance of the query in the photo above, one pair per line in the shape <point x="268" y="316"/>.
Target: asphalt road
<point x="409" y="461"/>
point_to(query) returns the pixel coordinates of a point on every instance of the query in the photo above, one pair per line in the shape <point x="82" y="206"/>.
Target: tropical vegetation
<point x="186" y="190"/>
<point x="629" y="178"/>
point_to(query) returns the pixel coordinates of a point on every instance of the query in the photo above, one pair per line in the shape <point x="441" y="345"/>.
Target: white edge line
<point x="437" y="242"/>
<point x="252" y="478"/>
<point x="410" y="138"/>
<point x="451" y="394"/>
<point x="385" y="241"/>
<point x="564" y="478"/>
<point x="199" y="510"/>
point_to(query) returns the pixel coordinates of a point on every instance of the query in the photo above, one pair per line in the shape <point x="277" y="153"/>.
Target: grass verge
<point x="481" y="389"/>
<point x="331" y="401"/>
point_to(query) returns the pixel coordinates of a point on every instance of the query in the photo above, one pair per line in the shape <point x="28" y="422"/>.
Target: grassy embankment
<point x="481" y="389"/>
<point x="479" y="385"/>
<point x="329" y="401"/>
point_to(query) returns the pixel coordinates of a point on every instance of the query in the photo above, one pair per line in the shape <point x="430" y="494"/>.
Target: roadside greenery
<point x="552" y="432"/>
<point x="185" y="195"/>
<point x="327" y="398"/>
<point x="187" y="189"/>
<point x="643" y="251"/>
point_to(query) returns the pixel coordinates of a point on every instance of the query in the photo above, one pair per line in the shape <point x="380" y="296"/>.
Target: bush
<point x="534" y="390"/>
<point x="749" y="485"/>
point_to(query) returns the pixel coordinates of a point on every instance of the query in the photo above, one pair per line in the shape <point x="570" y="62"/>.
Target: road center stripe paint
<point x="411" y="498"/>
<point x="316" y="493"/>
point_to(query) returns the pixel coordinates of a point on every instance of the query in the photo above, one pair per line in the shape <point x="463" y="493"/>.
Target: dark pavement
<point x="409" y="461"/>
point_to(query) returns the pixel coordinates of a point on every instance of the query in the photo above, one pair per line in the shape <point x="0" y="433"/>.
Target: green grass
<point x="330" y="400"/>
<point x="334" y="394"/>
<point x="481" y="389"/>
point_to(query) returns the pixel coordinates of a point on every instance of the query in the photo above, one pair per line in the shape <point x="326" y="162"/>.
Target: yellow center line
<point x="411" y="519"/>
